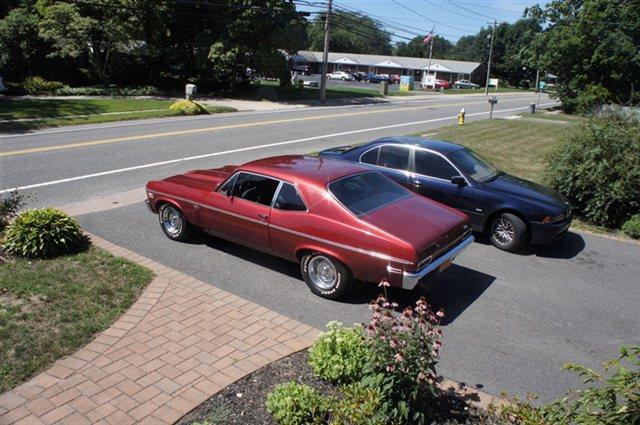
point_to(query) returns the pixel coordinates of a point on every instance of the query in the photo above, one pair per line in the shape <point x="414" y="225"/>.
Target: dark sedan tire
<point x="343" y="78"/>
<point x="173" y="222"/>
<point x="508" y="232"/>
<point x="325" y="276"/>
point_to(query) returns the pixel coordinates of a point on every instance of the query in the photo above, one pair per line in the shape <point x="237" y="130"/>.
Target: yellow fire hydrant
<point x="461" y="117"/>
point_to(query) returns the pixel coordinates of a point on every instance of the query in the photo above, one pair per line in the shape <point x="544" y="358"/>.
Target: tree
<point x="417" y="49"/>
<point x="593" y="47"/>
<point x="21" y="48"/>
<point x="95" y="29"/>
<point x="351" y="33"/>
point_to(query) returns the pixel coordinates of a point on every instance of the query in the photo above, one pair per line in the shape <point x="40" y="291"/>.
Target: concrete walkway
<point x="181" y="342"/>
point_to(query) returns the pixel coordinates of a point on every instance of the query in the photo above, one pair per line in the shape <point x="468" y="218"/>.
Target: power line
<point x="426" y="17"/>
<point x="472" y="11"/>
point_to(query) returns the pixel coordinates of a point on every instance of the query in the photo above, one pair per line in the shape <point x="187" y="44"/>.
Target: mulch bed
<point x="243" y="402"/>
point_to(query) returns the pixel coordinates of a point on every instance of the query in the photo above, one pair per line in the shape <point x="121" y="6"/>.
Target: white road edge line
<point x="249" y="148"/>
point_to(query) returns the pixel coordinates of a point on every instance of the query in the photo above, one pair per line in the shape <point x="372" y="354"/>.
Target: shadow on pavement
<point x="568" y="246"/>
<point x="453" y="291"/>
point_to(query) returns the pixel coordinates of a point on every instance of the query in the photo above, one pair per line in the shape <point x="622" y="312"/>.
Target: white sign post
<point x="429" y="80"/>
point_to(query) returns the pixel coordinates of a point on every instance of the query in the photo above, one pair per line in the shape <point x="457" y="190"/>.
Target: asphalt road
<point x="512" y="320"/>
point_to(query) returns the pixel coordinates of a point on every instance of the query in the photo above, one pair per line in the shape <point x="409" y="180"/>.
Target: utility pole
<point x="493" y="35"/>
<point x="325" y="55"/>
<point x="538" y="87"/>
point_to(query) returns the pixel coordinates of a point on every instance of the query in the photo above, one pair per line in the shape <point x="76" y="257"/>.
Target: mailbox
<point x="493" y="100"/>
<point x="190" y="91"/>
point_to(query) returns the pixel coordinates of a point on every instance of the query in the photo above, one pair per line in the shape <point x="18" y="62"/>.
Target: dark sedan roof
<point x="314" y="170"/>
<point x="435" y="145"/>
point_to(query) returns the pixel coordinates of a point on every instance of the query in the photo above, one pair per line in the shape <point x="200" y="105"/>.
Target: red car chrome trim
<point x="306" y="235"/>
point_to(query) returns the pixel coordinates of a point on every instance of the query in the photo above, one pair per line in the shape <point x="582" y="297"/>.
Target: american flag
<point x="428" y="38"/>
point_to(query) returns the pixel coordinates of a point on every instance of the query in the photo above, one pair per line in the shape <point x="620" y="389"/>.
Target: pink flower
<point x="384" y="283"/>
<point x="398" y="357"/>
<point x="421" y="376"/>
<point x="440" y="313"/>
<point x="437" y="345"/>
<point x="391" y="368"/>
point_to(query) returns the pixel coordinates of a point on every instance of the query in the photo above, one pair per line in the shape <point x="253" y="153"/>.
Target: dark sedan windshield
<point x="366" y="192"/>
<point x="472" y="165"/>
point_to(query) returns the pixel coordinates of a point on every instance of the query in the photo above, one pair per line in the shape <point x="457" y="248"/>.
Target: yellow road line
<point x="217" y="128"/>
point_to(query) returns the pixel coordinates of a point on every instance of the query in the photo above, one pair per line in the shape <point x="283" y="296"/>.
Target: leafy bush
<point x="632" y="227"/>
<point x="296" y="404"/>
<point x="9" y="207"/>
<point x="360" y="405"/>
<point x="607" y="400"/>
<point x="403" y="358"/>
<point x="43" y="232"/>
<point x="188" y="107"/>
<point x="597" y="166"/>
<point x="108" y="91"/>
<point x="38" y="85"/>
<point x="339" y="354"/>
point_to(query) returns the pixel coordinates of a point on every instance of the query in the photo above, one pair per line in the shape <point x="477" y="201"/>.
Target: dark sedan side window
<point x="288" y="199"/>
<point x="432" y="165"/>
<point x="255" y="188"/>
<point x="396" y="157"/>
<point x="370" y="157"/>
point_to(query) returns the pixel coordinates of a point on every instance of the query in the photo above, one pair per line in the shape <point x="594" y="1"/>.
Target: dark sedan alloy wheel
<point x="508" y="232"/>
<point x="173" y="222"/>
<point x="324" y="275"/>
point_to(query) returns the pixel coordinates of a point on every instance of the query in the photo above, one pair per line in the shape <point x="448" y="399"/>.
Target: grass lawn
<point x="271" y="90"/>
<point x="11" y="109"/>
<point x="50" y="308"/>
<point x="518" y="147"/>
<point x="52" y="110"/>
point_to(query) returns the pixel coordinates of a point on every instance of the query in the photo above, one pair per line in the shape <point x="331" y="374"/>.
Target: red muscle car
<point x="339" y="220"/>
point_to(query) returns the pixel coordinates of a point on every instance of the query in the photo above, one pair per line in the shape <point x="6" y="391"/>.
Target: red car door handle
<point x="263" y="216"/>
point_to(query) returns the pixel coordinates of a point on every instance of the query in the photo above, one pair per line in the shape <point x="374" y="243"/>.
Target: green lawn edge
<point x="51" y="308"/>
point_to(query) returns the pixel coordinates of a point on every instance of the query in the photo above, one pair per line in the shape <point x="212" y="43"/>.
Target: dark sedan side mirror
<point x="458" y="180"/>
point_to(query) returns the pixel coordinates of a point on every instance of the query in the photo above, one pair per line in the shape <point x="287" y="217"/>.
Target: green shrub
<point x="43" y="232"/>
<point x="188" y="107"/>
<point x="107" y="91"/>
<point x="339" y="354"/>
<point x="38" y="85"/>
<point x="607" y="400"/>
<point x="9" y="207"/>
<point x="632" y="227"/>
<point x="296" y="404"/>
<point x="359" y="405"/>
<point x="597" y="166"/>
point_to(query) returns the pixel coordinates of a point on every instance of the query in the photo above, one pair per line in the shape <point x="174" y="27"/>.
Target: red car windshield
<point x="366" y="192"/>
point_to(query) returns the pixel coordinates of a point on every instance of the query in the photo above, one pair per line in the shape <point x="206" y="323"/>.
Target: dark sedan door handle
<point x="416" y="183"/>
<point x="263" y="216"/>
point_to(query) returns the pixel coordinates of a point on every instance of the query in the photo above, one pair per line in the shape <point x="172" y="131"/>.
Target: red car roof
<point x="313" y="170"/>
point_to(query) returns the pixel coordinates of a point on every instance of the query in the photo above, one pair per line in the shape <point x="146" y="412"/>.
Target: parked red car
<point x="442" y="84"/>
<point x="340" y="220"/>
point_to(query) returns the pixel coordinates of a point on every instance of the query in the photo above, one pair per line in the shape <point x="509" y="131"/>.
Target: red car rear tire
<point x="325" y="275"/>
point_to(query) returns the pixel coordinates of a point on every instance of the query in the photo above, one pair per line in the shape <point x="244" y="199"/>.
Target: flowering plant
<point x="404" y="351"/>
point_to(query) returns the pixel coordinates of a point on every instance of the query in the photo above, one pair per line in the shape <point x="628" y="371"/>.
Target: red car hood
<point x="203" y="179"/>
<point x="419" y="221"/>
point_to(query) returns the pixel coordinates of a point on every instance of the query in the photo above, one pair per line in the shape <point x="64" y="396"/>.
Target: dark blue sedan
<point x="513" y="211"/>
